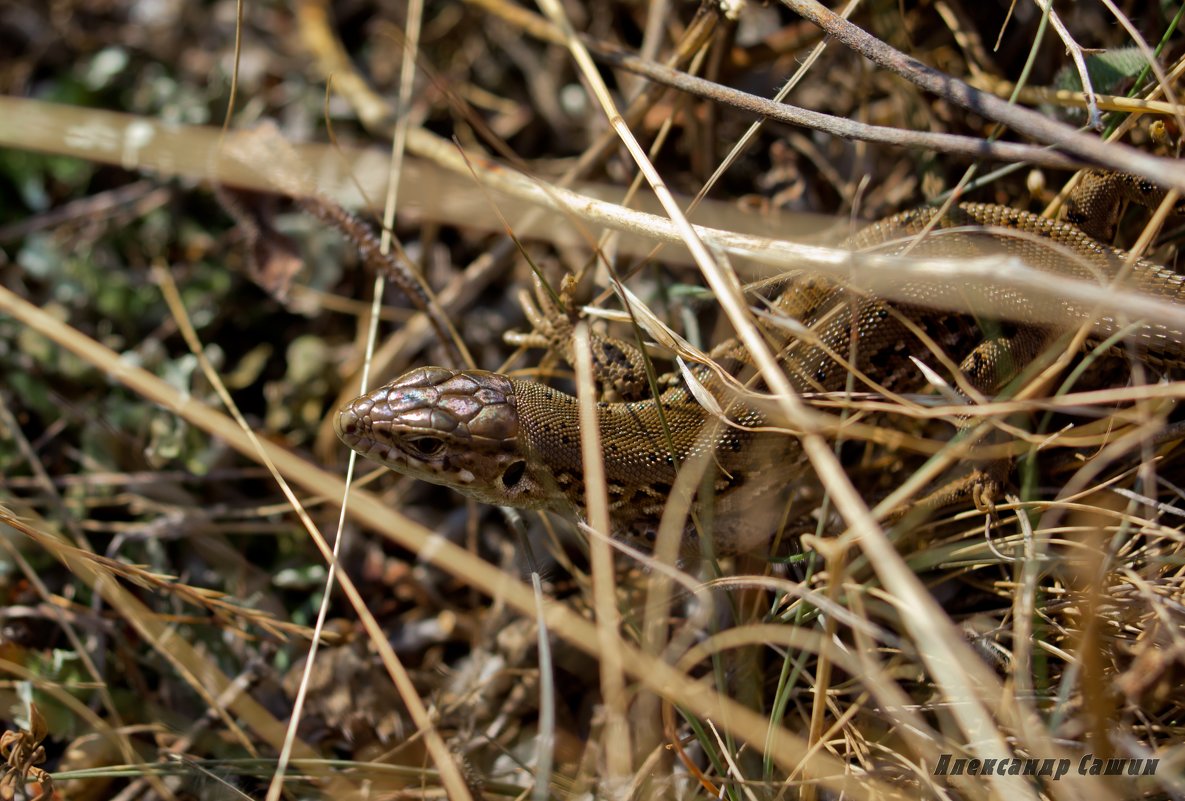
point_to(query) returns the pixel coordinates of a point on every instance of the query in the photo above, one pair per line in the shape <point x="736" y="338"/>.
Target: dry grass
<point x="162" y="588"/>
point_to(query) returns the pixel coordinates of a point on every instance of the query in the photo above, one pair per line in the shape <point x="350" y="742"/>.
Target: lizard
<point x="513" y="442"/>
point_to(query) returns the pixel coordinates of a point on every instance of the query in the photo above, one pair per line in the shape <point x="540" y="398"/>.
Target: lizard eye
<point x="426" y="446"/>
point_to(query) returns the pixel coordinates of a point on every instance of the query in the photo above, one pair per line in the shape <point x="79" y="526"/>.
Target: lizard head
<point x="459" y="428"/>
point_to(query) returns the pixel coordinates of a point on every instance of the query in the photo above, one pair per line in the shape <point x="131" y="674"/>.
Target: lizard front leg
<point x="618" y="366"/>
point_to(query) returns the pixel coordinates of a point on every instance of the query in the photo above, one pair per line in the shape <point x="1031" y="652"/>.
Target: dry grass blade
<point x="236" y="616"/>
<point x="881" y="275"/>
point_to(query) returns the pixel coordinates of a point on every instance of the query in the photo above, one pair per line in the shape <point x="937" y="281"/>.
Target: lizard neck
<point x="640" y="456"/>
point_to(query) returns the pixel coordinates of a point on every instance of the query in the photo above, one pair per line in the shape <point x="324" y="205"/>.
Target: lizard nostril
<point x="346" y="423"/>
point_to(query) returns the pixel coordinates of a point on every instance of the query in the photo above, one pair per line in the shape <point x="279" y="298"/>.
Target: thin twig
<point x="953" y="144"/>
<point x="1168" y="173"/>
<point x="1075" y="51"/>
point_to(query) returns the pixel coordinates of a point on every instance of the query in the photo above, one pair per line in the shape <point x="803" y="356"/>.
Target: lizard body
<point x="516" y="443"/>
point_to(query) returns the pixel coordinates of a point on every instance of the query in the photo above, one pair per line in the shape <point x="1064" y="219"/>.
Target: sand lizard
<point x="513" y="442"/>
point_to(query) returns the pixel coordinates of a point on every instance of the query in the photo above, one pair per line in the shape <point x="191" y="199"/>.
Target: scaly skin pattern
<point x="516" y="443"/>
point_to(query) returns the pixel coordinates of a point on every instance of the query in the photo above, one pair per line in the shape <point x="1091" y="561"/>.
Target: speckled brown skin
<point x="516" y="443"/>
<point x="1095" y="205"/>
